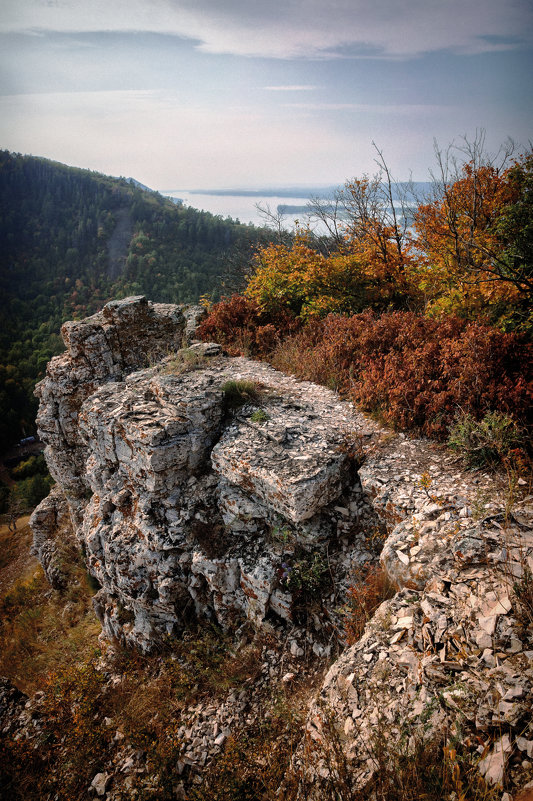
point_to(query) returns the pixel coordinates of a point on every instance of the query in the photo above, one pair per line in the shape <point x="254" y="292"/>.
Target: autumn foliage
<point x="417" y="319"/>
<point x="467" y="260"/>
<point x="363" y="273"/>
<point x="417" y="373"/>
<point x="467" y="251"/>
<point x="243" y="327"/>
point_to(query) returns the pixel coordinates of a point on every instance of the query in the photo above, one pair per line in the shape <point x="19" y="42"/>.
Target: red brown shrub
<point x="370" y="587"/>
<point x="416" y="372"/>
<point x="435" y="369"/>
<point x="242" y="327"/>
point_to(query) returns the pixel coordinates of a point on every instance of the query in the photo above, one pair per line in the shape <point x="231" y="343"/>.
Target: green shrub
<point x="259" y="416"/>
<point x="484" y="442"/>
<point x="307" y="574"/>
<point x="28" y="468"/>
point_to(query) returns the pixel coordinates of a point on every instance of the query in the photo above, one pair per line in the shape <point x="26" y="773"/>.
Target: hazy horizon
<point x="188" y="93"/>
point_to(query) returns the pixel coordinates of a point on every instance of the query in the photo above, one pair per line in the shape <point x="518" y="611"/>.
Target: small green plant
<point x="237" y="393"/>
<point x="185" y="361"/>
<point x="283" y="535"/>
<point x="306" y="575"/>
<point x="259" y="416"/>
<point x="484" y="442"/>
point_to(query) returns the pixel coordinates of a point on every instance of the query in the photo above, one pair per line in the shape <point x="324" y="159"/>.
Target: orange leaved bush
<point x="460" y="249"/>
<point x="368" y="270"/>
<point x="467" y="251"/>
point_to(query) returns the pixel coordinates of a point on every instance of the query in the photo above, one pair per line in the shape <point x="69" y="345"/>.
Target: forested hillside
<point x="70" y="240"/>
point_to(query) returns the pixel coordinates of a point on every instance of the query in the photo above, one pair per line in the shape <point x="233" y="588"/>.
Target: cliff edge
<point x="199" y="486"/>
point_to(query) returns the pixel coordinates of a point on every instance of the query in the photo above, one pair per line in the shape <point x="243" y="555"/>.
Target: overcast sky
<point x="226" y="93"/>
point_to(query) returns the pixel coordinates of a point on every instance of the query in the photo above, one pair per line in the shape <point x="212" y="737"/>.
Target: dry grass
<point x="15" y="558"/>
<point x="404" y="766"/>
<point x="237" y="393"/>
<point x="370" y="586"/>
<point x="255" y="762"/>
<point x="41" y="629"/>
<point x="185" y="361"/>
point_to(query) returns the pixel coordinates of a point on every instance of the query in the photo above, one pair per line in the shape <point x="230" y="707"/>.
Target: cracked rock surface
<point x="451" y="655"/>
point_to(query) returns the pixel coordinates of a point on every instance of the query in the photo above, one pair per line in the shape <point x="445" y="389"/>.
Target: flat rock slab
<point x="293" y="462"/>
<point x="150" y="424"/>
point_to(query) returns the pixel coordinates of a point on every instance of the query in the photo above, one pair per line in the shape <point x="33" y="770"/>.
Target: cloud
<point x="152" y="136"/>
<point x="392" y="109"/>
<point x="290" y="88"/>
<point x="294" y="28"/>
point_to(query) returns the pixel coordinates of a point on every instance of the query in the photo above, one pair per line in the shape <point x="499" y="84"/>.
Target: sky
<point x="200" y="94"/>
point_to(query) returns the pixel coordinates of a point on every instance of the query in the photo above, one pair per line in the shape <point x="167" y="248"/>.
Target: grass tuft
<point x="239" y="392"/>
<point x="185" y="361"/>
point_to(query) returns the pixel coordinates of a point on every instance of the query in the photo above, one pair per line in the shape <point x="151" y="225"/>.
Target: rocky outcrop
<point x="190" y="506"/>
<point x="50" y="524"/>
<point x="195" y="510"/>
<point x="450" y="657"/>
<point x="125" y="335"/>
<point x="183" y="505"/>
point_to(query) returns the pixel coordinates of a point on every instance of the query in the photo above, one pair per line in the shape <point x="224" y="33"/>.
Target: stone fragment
<point x="274" y="472"/>
<point x="488" y="624"/>
<point x="492" y="767"/>
<point x="288" y="677"/>
<point x="295" y="649"/>
<point x="50" y="524"/>
<point x="483" y="640"/>
<point x="402" y="557"/>
<point x="503" y="606"/>
<point x="100" y="783"/>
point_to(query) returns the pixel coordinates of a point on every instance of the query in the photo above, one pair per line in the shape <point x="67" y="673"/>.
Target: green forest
<point x="72" y="239"/>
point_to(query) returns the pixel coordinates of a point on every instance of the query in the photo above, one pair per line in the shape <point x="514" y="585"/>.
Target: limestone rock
<point x="183" y="508"/>
<point x="125" y="335"/>
<point x="100" y="783"/>
<point x="186" y="509"/>
<point x="448" y="646"/>
<point x="50" y="524"/>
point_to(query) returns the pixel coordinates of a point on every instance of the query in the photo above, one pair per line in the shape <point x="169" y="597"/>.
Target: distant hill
<point x="420" y="188"/>
<point x="134" y="182"/>
<point x="70" y="240"/>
